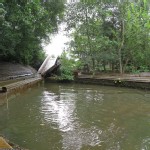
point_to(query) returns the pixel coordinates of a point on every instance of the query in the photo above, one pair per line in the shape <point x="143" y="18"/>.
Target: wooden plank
<point x="4" y="144"/>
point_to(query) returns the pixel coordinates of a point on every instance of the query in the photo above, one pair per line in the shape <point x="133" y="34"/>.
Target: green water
<point x="78" y="117"/>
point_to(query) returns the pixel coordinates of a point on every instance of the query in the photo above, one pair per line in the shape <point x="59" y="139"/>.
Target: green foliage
<point x="68" y="65"/>
<point x="24" y="26"/>
<point x="110" y="33"/>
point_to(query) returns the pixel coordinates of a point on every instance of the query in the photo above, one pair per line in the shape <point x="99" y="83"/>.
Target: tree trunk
<point x="124" y="67"/>
<point x="120" y="48"/>
<point x="88" y="37"/>
<point x="93" y="65"/>
<point x="104" y="66"/>
<point x="112" y="67"/>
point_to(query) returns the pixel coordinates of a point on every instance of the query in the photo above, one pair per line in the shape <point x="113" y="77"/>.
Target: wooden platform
<point x="4" y="144"/>
<point x="122" y="81"/>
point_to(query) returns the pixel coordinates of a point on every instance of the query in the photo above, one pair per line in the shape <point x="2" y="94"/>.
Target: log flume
<point x="49" y="65"/>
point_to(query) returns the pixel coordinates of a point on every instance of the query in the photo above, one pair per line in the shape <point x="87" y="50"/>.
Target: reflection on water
<point x="79" y="117"/>
<point x="60" y="109"/>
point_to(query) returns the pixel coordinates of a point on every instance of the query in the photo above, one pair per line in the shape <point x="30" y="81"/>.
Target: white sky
<point x="57" y="44"/>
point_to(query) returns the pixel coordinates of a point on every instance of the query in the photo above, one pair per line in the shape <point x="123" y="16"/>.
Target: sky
<point x="57" y="44"/>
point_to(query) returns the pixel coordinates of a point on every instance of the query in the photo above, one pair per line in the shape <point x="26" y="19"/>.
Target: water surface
<point x="78" y="117"/>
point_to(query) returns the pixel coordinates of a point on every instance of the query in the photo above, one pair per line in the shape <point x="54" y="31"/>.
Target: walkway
<point x="118" y="77"/>
<point x="116" y="80"/>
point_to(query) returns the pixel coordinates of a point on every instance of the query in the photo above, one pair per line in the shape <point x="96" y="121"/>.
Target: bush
<point x="68" y="65"/>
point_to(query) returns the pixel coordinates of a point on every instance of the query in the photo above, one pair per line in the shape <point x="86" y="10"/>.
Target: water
<point x="78" y="117"/>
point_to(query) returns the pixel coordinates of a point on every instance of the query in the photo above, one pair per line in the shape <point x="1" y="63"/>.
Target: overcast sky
<point x="57" y="43"/>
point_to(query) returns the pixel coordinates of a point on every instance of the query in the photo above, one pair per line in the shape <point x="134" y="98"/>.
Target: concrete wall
<point x="115" y="82"/>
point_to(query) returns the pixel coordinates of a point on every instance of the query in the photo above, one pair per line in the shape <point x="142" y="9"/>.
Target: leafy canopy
<point x="24" y="26"/>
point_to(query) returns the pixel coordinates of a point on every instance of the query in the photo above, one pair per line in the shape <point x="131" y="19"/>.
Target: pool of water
<point x="78" y="117"/>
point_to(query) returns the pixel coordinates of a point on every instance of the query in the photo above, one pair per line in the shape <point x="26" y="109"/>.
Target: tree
<point x="25" y="25"/>
<point x="68" y="65"/>
<point x="110" y="32"/>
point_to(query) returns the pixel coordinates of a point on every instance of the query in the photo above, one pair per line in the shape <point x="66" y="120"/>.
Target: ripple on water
<point x="59" y="110"/>
<point x="79" y="117"/>
<point x="82" y="117"/>
<point x="79" y="137"/>
<point x="146" y="144"/>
